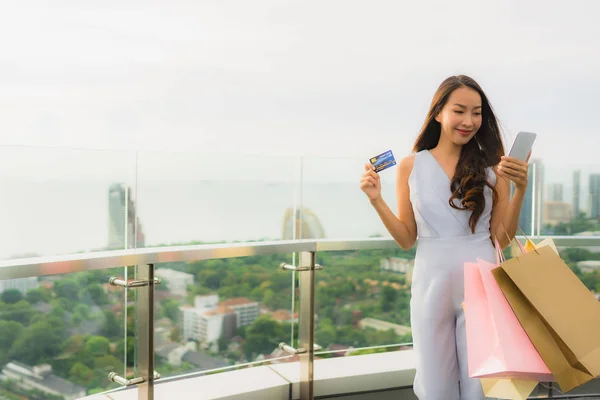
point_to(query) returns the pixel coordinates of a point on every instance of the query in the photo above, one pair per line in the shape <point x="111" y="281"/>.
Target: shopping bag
<point x="497" y="345"/>
<point x="505" y="388"/>
<point x="560" y="315"/>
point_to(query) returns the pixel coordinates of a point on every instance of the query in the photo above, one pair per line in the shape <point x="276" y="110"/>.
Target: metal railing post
<point x="306" y="329"/>
<point x="145" y="332"/>
<point x="144" y="286"/>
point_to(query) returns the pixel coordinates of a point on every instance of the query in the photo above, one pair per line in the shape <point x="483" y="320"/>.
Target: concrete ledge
<point x="355" y="374"/>
<point x="256" y="383"/>
<point x="333" y="376"/>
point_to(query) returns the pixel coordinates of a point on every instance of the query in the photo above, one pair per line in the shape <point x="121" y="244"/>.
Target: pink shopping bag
<point x="497" y="344"/>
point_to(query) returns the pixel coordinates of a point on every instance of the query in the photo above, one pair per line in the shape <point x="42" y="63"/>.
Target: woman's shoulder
<point x="406" y="164"/>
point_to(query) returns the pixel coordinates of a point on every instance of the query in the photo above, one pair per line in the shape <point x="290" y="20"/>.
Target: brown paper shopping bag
<point x="559" y="314"/>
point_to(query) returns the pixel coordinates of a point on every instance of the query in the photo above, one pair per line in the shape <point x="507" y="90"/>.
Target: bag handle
<point x="528" y="240"/>
<point x="500" y="255"/>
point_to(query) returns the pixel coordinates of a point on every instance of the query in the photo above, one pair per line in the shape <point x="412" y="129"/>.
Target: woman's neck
<point x="447" y="150"/>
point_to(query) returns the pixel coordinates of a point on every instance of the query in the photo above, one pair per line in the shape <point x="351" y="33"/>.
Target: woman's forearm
<point x="395" y="227"/>
<point x="510" y="223"/>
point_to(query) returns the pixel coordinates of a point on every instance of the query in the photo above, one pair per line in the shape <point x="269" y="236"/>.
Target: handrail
<point x="81" y="262"/>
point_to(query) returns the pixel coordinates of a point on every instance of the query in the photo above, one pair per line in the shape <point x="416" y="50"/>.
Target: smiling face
<point x="460" y="118"/>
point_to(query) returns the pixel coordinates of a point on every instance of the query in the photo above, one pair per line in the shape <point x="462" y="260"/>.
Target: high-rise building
<point x="576" y="193"/>
<point x="554" y="192"/>
<point x="556" y="212"/>
<point x="124" y="229"/>
<point x="302" y="224"/>
<point x="530" y="219"/>
<point x="594" y="196"/>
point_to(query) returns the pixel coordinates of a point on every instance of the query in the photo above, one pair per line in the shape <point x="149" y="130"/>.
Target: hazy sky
<point x="320" y="77"/>
<point x="341" y="78"/>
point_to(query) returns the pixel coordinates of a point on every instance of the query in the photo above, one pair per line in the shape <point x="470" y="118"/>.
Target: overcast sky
<point x="134" y="84"/>
<point x="322" y="78"/>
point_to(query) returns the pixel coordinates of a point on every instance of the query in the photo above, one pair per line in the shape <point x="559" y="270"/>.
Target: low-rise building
<point x="41" y="378"/>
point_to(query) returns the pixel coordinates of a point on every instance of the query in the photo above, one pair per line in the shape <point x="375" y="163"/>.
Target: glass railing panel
<point x="223" y="314"/>
<point x="206" y="198"/>
<point x="332" y="204"/>
<point x="63" y="201"/>
<point x="61" y="335"/>
<point x="362" y="301"/>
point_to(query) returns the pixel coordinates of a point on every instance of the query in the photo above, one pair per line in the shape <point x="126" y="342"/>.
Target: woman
<point x="453" y="194"/>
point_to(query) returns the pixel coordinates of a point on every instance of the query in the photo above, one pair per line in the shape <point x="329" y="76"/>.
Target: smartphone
<point x="522" y="145"/>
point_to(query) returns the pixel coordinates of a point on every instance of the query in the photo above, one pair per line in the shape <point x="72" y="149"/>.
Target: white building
<point x="395" y="264"/>
<point x="190" y="325"/>
<point x="41" y="378"/>
<point x="177" y="281"/>
<point x="588" y="266"/>
<point x="246" y="310"/>
<point x="208" y="320"/>
<point x="23" y="285"/>
<point x="206" y="302"/>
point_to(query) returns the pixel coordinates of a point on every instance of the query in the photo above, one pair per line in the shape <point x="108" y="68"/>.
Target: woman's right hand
<point x="370" y="183"/>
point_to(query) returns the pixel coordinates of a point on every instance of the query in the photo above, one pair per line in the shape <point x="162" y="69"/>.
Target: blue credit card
<point x="383" y="161"/>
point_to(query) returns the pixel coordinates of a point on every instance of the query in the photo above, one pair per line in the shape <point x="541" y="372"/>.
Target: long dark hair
<point x="482" y="151"/>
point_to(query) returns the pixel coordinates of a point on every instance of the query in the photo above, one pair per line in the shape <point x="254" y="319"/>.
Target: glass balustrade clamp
<point x="114" y="377"/>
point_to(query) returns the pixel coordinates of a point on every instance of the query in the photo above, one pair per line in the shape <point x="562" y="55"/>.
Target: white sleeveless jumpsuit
<point x="444" y="243"/>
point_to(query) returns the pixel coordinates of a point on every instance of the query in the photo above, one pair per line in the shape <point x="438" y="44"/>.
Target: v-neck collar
<point x="449" y="178"/>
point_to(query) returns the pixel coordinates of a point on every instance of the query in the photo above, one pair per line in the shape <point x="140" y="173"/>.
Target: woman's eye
<point x="458" y="112"/>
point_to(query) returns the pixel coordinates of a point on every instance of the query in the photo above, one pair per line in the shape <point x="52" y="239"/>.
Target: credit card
<point x="383" y="161"/>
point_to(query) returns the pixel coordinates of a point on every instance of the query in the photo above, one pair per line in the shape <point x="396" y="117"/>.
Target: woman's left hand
<point x="515" y="170"/>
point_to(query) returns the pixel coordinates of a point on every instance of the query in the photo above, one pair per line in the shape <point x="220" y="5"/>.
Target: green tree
<point x="83" y="311"/>
<point x="263" y="336"/>
<point x="175" y="335"/>
<point x="388" y="298"/>
<point x="107" y="363"/>
<point x="120" y="351"/>
<point x="574" y="254"/>
<point x="269" y="299"/>
<point x="35" y="296"/>
<point x="93" y="295"/>
<point x="67" y="289"/>
<point x="97" y="346"/>
<point x="213" y="279"/>
<point x="11" y="296"/>
<point x="326" y="333"/>
<point x="9" y="332"/>
<point x="40" y="341"/>
<point x="21" y="312"/>
<point x="171" y="309"/>
<point x="81" y="374"/>
<point x="75" y="344"/>
<point x="112" y="327"/>
<point x="223" y="344"/>
<point x="58" y="312"/>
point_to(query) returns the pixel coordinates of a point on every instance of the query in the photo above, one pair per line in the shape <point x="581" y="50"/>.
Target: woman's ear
<point x="438" y="117"/>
